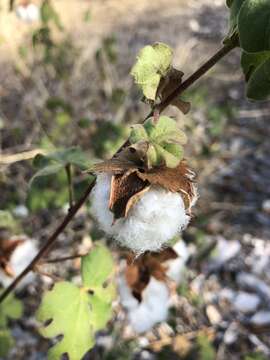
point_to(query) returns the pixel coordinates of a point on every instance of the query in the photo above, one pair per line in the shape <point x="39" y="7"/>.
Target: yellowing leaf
<point x="153" y="62"/>
<point x="77" y="313"/>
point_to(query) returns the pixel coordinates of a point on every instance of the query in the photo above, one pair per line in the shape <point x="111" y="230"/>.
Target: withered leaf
<point x="123" y="189"/>
<point x="179" y="179"/>
<point x="139" y="270"/>
<point x="167" y="86"/>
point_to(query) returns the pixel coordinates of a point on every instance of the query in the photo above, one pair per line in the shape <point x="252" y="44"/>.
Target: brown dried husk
<point x="139" y="270"/>
<point x="131" y="179"/>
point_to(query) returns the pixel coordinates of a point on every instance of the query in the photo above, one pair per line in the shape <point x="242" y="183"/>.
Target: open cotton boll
<point x="154" y="220"/>
<point x="28" y="13"/>
<point x="152" y="309"/>
<point x="176" y="267"/>
<point x="19" y="259"/>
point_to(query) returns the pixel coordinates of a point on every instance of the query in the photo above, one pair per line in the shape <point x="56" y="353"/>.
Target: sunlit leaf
<point x="153" y="62"/>
<point x="77" y="313"/>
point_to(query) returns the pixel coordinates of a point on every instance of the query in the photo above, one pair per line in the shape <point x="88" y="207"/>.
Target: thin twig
<point x="7" y="159"/>
<point x="44" y="250"/>
<point x="195" y="76"/>
<point x="62" y="259"/>
<point x="183" y="86"/>
<point x="70" y="185"/>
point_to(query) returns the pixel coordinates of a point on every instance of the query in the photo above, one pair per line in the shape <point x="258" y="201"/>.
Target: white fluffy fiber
<point x="28" y="13"/>
<point x="176" y="267"/>
<point x="20" y="258"/>
<point x="154" y="220"/>
<point x="153" y="308"/>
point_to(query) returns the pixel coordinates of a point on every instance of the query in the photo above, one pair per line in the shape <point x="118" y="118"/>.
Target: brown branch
<point x="44" y="250"/>
<point x="195" y="76"/>
<point x="62" y="259"/>
<point x="183" y="86"/>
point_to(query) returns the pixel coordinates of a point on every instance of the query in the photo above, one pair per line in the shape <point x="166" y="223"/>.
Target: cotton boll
<point x="100" y="203"/>
<point x="19" y="259"/>
<point x="155" y="219"/>
<point x="28" y="13"/>
<point x="176" y="267"/>
<point x="152" y="309"/>
<point x="33" y="13"/>
<point x="128" y="301"/>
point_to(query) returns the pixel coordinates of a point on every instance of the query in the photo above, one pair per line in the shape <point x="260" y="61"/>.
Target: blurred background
<point x="64" y="83"/>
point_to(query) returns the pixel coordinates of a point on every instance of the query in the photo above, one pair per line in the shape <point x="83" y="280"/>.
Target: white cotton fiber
<point x="153" y="307"/>
<point x="20" y="258"/>
<point x="176" y="267"/>
<point x="154" y="220"/>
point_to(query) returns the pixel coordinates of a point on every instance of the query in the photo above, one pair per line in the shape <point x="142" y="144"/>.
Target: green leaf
<point x="152" y="156"/>
<point x="258" y="87"/>
<point x="254" y="25"/>
<point x="53" y="162"/>
<point x="47" y="170"/>
<point x="235" y="6"/>
<point x="250" y="61"/>
<point x="73" y="155"/>
<point x="171" y="159"/>
<point x="153" y="62"/>
<point x="77" y="313"/>
<point x="166" y="130"/>
<point x="10" y="308"/>
<point x="7" y="220"/>
<point x="137" y="133"/>
<point x="6" y="342"/>
<point x="97" y="266"/>
<point x="48" y="14"/>
<point x="206" y="349"/>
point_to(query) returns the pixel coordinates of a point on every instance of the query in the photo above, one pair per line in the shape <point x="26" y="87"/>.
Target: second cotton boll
<point x="154" y="219"/>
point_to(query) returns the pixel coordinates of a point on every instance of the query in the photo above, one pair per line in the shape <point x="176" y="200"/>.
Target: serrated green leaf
<point x="254" y="25"/>
<point x="6" y="342"/>
<point x="250" y="61"/>
<point x="175" y="149"/>
<point x="10" y="308"/>
<point x="137" y="133"/>
<point x="164" y="54"/>
<point x="70" y="310"/>
<point x="166" y="130"/>
<point x="77" y="313"/>
<point x="152" y="156"/>
<point x="170" y="159"/>
<point x="258" y="87"/>
<point x="97" y="266"/>
<point x="153" y="62"/>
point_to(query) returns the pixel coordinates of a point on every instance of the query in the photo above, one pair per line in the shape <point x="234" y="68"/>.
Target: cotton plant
<point x="14" y="257"/>
<point x="144" y="195"/>
<point x="147" y="302"/>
